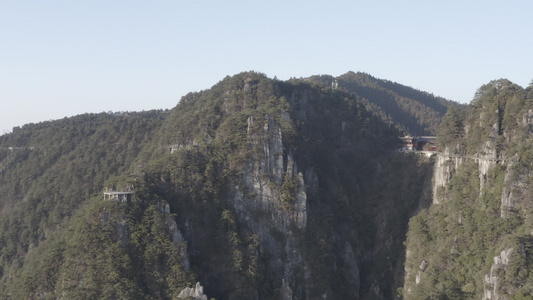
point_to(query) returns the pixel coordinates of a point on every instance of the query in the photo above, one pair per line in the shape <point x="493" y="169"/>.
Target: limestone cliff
<point x="270" y="168"/>
<point x="301" y="186"/>
<point x="196" y="293"/>
<point x="481" y="204"/>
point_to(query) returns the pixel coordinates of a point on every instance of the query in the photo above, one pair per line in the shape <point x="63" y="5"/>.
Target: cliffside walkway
<point x="472" y="157"/>
<point x="17" y="148"/>
<point x="422" y="152"/>
<point x="430" y="153"/>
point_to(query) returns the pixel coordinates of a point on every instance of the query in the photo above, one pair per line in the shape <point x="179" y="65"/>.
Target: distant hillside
<point x="410" y="110"/>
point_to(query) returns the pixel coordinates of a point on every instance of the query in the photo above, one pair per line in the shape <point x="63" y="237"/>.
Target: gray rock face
<point x="196" y="293"/>
<point x="259" y="202"/>
<point x="421" y="270"/>
<point x="286" y="291"/>
<point x="351" y="269"/>
<point x="516" y="186"/>
<point x="447" y="164"/>
<point x="486" y="161"/>
<point x="445" y="167"/>
<point x="175" y="234"/>
<point x="301" y="203"/>
<point x="121" y="227"/>
<point x="268" y="165"/>
<point x="490" y="282"/>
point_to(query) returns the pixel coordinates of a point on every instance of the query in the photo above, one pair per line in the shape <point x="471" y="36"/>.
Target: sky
<point x="63" y="58"/>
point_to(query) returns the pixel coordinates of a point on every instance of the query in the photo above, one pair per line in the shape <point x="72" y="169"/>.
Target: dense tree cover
<point x="410" y="110"/>
<point x="55" y="168"/>
<point x="60" y="239"/>
<point x="105" y="251"/>
<point x="212" y="127"/>
<point x="451" y="129"/>
<point x="452" y="245"/>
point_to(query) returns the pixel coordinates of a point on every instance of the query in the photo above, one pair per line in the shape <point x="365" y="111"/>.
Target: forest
<point x="265" y="189"/>
<point x="475" y="240"/>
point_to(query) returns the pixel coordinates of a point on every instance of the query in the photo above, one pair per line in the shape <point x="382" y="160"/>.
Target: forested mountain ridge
<point x="48" y="173"/>
<point x="475" y="241"/>
<point x="257" y="188"/>
<point x="410" y="110"/>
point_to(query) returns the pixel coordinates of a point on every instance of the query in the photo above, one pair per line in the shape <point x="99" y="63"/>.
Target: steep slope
<point x="304" y="180"/>
<point x="475" y="241"/>
<point x="410" y="110"/>
<point x="48" y="172"/>
<point x="257" y="188"/>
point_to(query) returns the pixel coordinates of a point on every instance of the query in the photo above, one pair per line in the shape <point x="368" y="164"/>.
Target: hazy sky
<point x="63" y="58"/>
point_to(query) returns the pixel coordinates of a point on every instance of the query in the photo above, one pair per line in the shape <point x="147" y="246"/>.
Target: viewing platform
<point x="120" y="196"/>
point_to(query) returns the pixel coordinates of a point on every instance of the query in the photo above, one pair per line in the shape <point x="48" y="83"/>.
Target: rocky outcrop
<point x="515" y="190"/>
<point x="270" y="166"/>
<point x="445" y="167"/>
<point x="286" y="291"/>
<point x="121" y="226"/>
<point x="491" y="281"/>
<point x="175" y="234"/>
<point x="421" y="269"/>
<point x="196" y="293"/>
<point x="351" y="270"/>
<point x="486" y="159"/>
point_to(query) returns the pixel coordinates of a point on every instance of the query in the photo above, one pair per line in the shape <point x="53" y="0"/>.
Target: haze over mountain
<point x="410" y="110"/>
<point x="60" y="59"/>
<point x="259" y="188"/>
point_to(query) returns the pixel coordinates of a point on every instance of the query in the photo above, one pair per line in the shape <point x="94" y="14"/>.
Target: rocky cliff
<point x="475" y="240"/>
<point x="300" y="186"/>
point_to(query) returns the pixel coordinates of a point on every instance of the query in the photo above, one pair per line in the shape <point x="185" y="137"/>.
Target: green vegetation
<point x="217" y="185"/>
<point x="451" y="129"/>
<point x="452" y="245"/>
<point x="409" y="110"/>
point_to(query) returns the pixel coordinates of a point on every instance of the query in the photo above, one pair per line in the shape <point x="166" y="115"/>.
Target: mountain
<point x="255" y="188"/>
<point x="475" y="241"/>
<point x="410" y="110"/>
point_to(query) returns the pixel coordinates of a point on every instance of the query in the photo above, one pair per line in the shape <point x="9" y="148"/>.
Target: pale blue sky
<point x="63" y="58"/>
